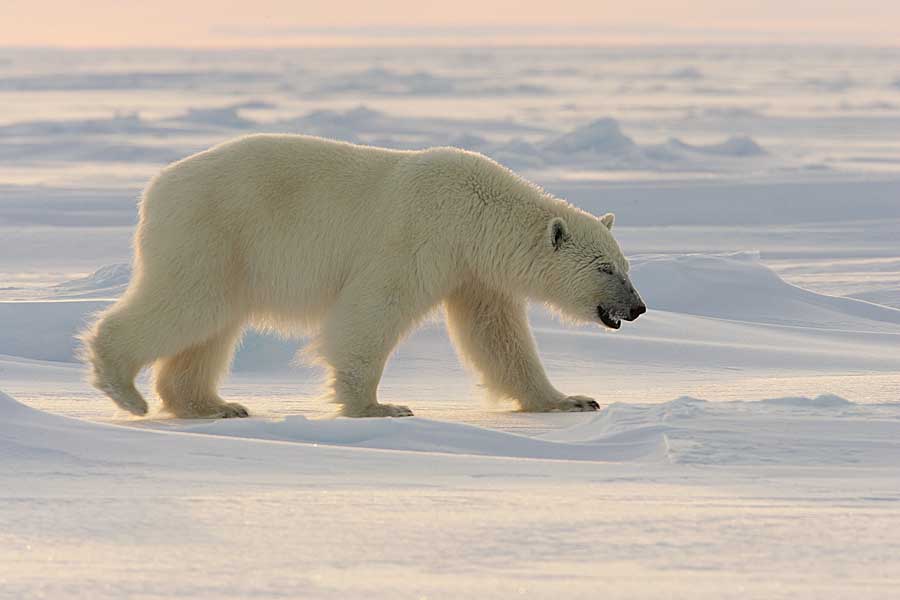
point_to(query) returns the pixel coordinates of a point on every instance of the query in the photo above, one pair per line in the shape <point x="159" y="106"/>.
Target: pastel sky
<point x="360" y="22"/>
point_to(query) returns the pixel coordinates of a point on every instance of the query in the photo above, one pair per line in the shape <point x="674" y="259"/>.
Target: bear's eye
<point x="605" y="268"/>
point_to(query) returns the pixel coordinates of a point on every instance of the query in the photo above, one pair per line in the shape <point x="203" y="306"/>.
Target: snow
<point x="221" y="510"/>
<point x="603" y="136"/>
<point x="109" y="280"/>
<point x="739" y="286"/>
<point x="424" y="435"/>
<point x="748" y="442"/>
<point x="737" y="145"/>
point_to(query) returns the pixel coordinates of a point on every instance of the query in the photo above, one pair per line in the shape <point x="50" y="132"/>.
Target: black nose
<point x="636" y="312"/>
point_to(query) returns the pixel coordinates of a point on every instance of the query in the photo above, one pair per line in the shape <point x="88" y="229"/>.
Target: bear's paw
<point x="579" y="404"/>
<point x="567" y="404"/>
<point x="224" y="410"/>
<point x="378" y="410"/>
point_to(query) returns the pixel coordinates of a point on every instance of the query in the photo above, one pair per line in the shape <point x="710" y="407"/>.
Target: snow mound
<point x="29" y="431"/>
<point x="601" y="144"/>
<point x="735" y="146"/>
<point x="108" y="281"/>
<point x="598" y="144"/>
<point x="9" y="408"/>
<point x="824" y="430"/>
<point x="820" y="431"/>
<point x="739" y="286"/>
<point x="425" y="435"/>
<point x="821" y="401"/>
<point x="602" y="136"/>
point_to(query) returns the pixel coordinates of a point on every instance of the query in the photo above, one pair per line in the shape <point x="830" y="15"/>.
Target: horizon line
<point x="364" y="44"/>
<point x="231" y="36"/>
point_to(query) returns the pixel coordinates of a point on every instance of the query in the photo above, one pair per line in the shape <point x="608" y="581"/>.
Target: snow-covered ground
<point x="748" y="444"/>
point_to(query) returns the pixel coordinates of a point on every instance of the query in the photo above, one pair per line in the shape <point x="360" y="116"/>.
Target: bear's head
<point x="587" y="271"/>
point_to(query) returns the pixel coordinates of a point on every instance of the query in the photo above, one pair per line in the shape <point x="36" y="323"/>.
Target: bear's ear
<point x="557" y="232"/>
<point x="608" y="219"/>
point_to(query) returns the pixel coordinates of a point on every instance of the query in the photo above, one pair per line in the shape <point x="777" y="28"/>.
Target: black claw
<point x="236" y="413"/>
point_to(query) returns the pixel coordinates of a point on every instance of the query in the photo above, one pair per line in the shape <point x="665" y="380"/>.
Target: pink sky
<point x="358" y="22"/>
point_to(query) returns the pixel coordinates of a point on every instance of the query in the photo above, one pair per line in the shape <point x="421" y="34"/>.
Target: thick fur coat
<point x="355" y="245"/>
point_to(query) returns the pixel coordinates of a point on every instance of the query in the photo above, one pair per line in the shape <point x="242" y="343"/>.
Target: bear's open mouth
<point x="607" y="318"/>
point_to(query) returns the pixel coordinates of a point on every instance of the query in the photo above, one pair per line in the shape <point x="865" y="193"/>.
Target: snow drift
<point x="825" y="430"/>
<point x="739" y="286"/>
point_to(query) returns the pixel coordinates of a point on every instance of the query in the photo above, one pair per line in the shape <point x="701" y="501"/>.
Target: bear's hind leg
<point x="116" y="356"/>
<point x="149" y="322"/>
<point x="187" y="382"/>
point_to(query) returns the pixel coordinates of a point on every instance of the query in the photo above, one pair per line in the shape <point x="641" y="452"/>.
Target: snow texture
<point x="747" y="442"/>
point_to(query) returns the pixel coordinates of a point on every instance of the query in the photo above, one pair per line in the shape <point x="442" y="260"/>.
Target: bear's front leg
<point x="356" y="340"/>
<point x="491" y="332"/>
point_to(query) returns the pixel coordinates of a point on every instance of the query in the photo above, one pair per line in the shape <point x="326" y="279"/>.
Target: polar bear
<point x="355" y="245"/>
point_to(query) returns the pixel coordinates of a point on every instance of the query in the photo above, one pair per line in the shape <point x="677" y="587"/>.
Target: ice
<point x="747" y="441"/>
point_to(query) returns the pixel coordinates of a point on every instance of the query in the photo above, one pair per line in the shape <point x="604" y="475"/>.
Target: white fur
<point x="357" y="244"/>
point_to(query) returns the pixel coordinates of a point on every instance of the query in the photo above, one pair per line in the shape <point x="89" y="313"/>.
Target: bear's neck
<point x="511" y="248"/>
